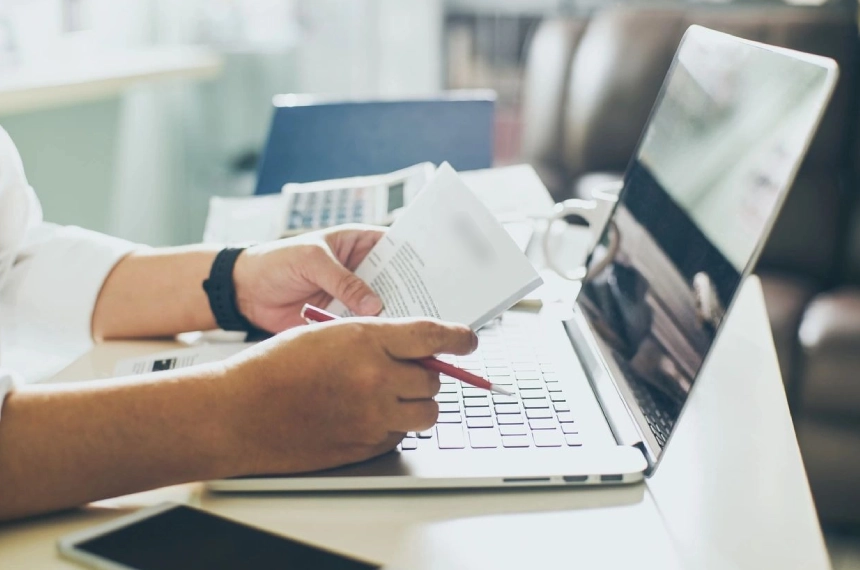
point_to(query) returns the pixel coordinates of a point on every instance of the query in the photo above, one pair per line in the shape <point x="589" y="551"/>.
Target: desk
<point x="731" y="492"/>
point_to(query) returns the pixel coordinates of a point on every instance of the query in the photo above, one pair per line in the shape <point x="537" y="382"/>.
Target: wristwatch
<point x="221" y="291"/>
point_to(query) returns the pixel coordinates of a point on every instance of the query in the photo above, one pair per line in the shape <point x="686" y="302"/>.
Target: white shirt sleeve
<point x="56" y="279"/>
<point x="50" y="276"/>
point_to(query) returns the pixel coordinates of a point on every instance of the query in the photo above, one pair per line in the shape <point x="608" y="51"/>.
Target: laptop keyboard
<point x="537" y="415"/>
<point x="653" y="405"/>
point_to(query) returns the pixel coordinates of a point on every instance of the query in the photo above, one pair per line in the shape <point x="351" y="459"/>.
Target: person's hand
<point x="329" y="394"/>
<point x="274" y="280"/>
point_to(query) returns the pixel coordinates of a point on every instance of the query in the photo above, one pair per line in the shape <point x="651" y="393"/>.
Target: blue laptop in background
<point x="312" y="139"/>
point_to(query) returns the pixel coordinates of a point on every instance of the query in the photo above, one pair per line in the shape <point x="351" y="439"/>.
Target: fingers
<point x="352" y="242"/>
<point x="410" y="338"/>
<point x="388" y="444"/>
<point x="344" y="285"/>
<point x="411" y="381"/>
<point x="419" y="415"/>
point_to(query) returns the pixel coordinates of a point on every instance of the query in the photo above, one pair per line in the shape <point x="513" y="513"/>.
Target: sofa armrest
<point x="829" y="339"/>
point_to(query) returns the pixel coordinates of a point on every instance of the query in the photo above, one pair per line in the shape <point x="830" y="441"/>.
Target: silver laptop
<point x="597" y="398"/>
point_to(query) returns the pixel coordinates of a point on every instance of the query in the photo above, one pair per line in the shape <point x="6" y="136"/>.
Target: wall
<point x="144" y="166"/>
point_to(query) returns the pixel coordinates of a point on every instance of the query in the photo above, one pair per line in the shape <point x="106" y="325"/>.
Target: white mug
<point x="595" y="214"/>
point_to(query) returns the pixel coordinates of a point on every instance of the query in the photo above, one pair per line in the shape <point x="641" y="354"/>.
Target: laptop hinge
<point x="640" y="445"/>
<point x="619" y="417"/>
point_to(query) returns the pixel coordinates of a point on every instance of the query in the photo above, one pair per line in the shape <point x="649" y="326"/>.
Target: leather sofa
<point x="588" y="88"/>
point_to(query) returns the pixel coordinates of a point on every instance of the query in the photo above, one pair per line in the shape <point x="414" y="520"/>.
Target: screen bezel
<point x="591" y="342"/>
<point x="68" y="545"/>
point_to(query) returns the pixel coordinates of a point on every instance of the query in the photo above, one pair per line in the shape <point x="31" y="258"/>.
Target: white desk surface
<point x="731" y="491"/>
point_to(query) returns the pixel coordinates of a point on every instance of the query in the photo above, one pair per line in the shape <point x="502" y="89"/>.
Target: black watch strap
<point x="221" y="291"/>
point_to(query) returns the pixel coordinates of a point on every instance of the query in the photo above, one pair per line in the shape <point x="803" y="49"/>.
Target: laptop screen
<point x="721" y="147"/>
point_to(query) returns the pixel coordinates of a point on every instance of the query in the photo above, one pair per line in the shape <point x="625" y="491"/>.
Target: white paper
<point x="245" y="219"/>
<point x="179" y="358"/>
<point x="446" y="256"/>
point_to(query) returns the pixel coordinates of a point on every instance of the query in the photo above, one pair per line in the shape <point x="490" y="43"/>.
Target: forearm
<point x="65" y="445"/>
<point x="156" y="292"/>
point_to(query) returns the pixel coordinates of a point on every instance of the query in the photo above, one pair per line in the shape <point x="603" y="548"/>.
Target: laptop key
<point x="513" y="430"/>
<point x="448" y="398"/>
<point x="534" y="394"/>
<point x="565" y="417"/>
<point x="478" y="413"/>
<point x="447" y="418"/>
<point x="510" y="419"/>
<point x="516" y="441"/>
<point x="484" y="438"/>
<point x="449" y="407"/>
<point x="409" y="444"/>
<point x="543" y="424"/>
<point x="527" y="375"/>
<point x="573" y="440"/>
<point x="502" y="399"/>
<point x="450" y="436"/>
<point x="507" y="409"/>
<point x="569" y="428"/>
<point x="426" y="434"/>
<point x="476" y="402"/>
<point x="547" y="438"/>
<point x="536" y="403"/>
<point x="538" y="414"/>
<point x="479" y="422"/>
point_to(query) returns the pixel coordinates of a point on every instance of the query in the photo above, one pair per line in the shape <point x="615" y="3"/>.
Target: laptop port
<point x="526" y="480"/>
<point x="575" y="478"/>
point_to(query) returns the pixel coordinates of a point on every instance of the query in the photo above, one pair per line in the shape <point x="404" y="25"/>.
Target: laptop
<point x="597" y="398"/>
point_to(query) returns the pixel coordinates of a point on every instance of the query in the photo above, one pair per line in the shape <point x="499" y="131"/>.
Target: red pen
<point x="316" y="315"/>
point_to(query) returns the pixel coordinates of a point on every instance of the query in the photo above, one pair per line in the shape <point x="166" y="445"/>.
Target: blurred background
<point x="131" y="114"/>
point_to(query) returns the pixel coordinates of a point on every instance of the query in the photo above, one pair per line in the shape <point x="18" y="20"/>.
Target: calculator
<point x="367" y="199"/>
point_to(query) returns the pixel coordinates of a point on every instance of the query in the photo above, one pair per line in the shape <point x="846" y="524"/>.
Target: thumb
<point x="346" y="286"/>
